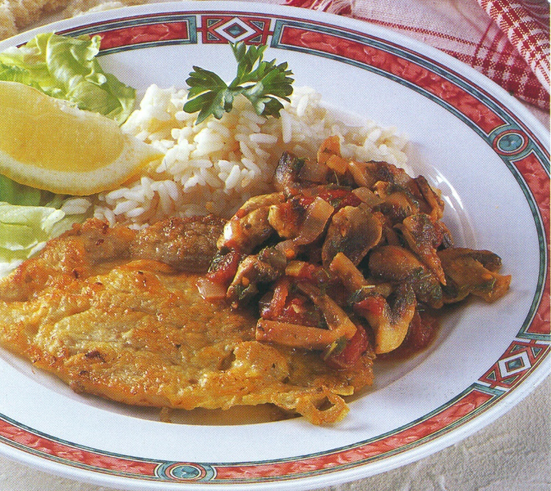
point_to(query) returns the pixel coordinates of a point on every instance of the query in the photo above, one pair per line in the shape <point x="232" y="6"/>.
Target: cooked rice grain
<point x="215" y="166"/>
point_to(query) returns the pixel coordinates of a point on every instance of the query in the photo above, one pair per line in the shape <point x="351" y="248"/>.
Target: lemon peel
<point x="49" y="144"/>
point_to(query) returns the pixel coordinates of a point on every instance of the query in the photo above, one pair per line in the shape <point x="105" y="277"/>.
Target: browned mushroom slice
<point x="286" y="173"/>
<point x="286" y="218"/>
<point x="353" y="279"/>
<point x="314" y="224"/>
<point x="397" y="264"/>
<point x="472" y="272"/>
<point x="434" y="203"/>
<point x="397" y="202"/>
<point x="383" y="171"/>
<point x="366" y="174"/>
<point x="353" y="230"/>
<point x="265" y="267"/>
<point x="335" y="317"/>
<point x="249" y="227"/>
<point x="423" y="236"/>
<point x="390" y="322"/>
<point x="347" y="272"/>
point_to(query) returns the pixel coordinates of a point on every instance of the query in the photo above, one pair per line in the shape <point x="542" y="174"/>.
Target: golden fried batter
<point x="91" y="310"/>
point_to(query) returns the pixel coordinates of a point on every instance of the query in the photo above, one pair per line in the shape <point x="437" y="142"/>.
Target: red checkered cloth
<point x="506" y="40"/>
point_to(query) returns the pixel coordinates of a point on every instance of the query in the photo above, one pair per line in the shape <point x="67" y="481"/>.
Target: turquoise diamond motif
<point x="235" y="30"/>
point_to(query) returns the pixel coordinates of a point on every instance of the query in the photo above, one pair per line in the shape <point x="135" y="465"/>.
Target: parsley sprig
<point x="263" y="83"/>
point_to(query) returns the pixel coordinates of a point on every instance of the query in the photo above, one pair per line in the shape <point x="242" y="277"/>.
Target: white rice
<point x="215" y="166"/>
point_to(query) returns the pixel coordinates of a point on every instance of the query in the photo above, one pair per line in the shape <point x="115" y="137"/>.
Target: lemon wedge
<point x="48" y="144"/>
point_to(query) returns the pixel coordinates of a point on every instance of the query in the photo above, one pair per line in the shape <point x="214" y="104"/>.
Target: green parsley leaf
<point x="263" y="83"/>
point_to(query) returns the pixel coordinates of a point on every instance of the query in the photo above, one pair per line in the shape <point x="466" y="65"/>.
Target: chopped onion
<point x="317" y="215"/>
<point x="295" y="268"/>
<point x="367" y="196"/>
<point x="337" y="163"/>
<point x="210" y="290"/>
<point x="359" y="174"/>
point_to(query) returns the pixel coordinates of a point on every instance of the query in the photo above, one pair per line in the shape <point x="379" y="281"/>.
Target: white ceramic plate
<point x="474" y="141"/>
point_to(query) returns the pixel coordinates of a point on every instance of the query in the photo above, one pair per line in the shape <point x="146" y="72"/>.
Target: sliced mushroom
<point x="292" y="174"/>
<point x="390" y="322"/>
<point x="472" y="272"/>
<point x="397" y="203"/>
<point x="286" y="218"/>
<point x="353" y="230"/>
<point x="434" y="203"/>
<point x="265" y="267"/>
<point x="348" y="273"/>
<point x="314" y="224"/>
<point x="295" y="335"/>
<point x="249" y="227"/>
<point x="353" y="279"/>
<point x="337" y="319"/>
<point x="397" y="264"/>
<point x="341" y="328"/>
<point x="423" y="237"/>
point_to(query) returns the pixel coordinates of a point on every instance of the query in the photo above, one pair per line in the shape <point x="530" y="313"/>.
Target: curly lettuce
<point x="67" y="68"/>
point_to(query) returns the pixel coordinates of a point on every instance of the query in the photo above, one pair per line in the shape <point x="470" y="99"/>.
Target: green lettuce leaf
<point x="67" y="68"/>
<point x="19" y="194"/>
<point x="25" y="229"/>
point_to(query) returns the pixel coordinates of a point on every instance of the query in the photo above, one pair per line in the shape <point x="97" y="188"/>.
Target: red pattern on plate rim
<point x="400" y="441"/>
<point x="153" y="33"/>
<point x="46" y="447"/>
<point x="433" y="426"/>
<point x="402" y="68"/>
<point x="216" y="29"/>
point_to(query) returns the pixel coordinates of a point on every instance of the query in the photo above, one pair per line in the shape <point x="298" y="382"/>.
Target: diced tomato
<point x="223" y="268"/>
<point x="305" y="201"/>
<point x="371" y="305"/>
<point x="350" y="200"/>
<point x="339" y="198"/>
<point x="275" y="308"/>
<point x="421" y="331"/>
<point x="351" y="353"/>
<point x="336" y="197"/>
<point x="285" y="306"/>
<point x="299" y="310"/>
